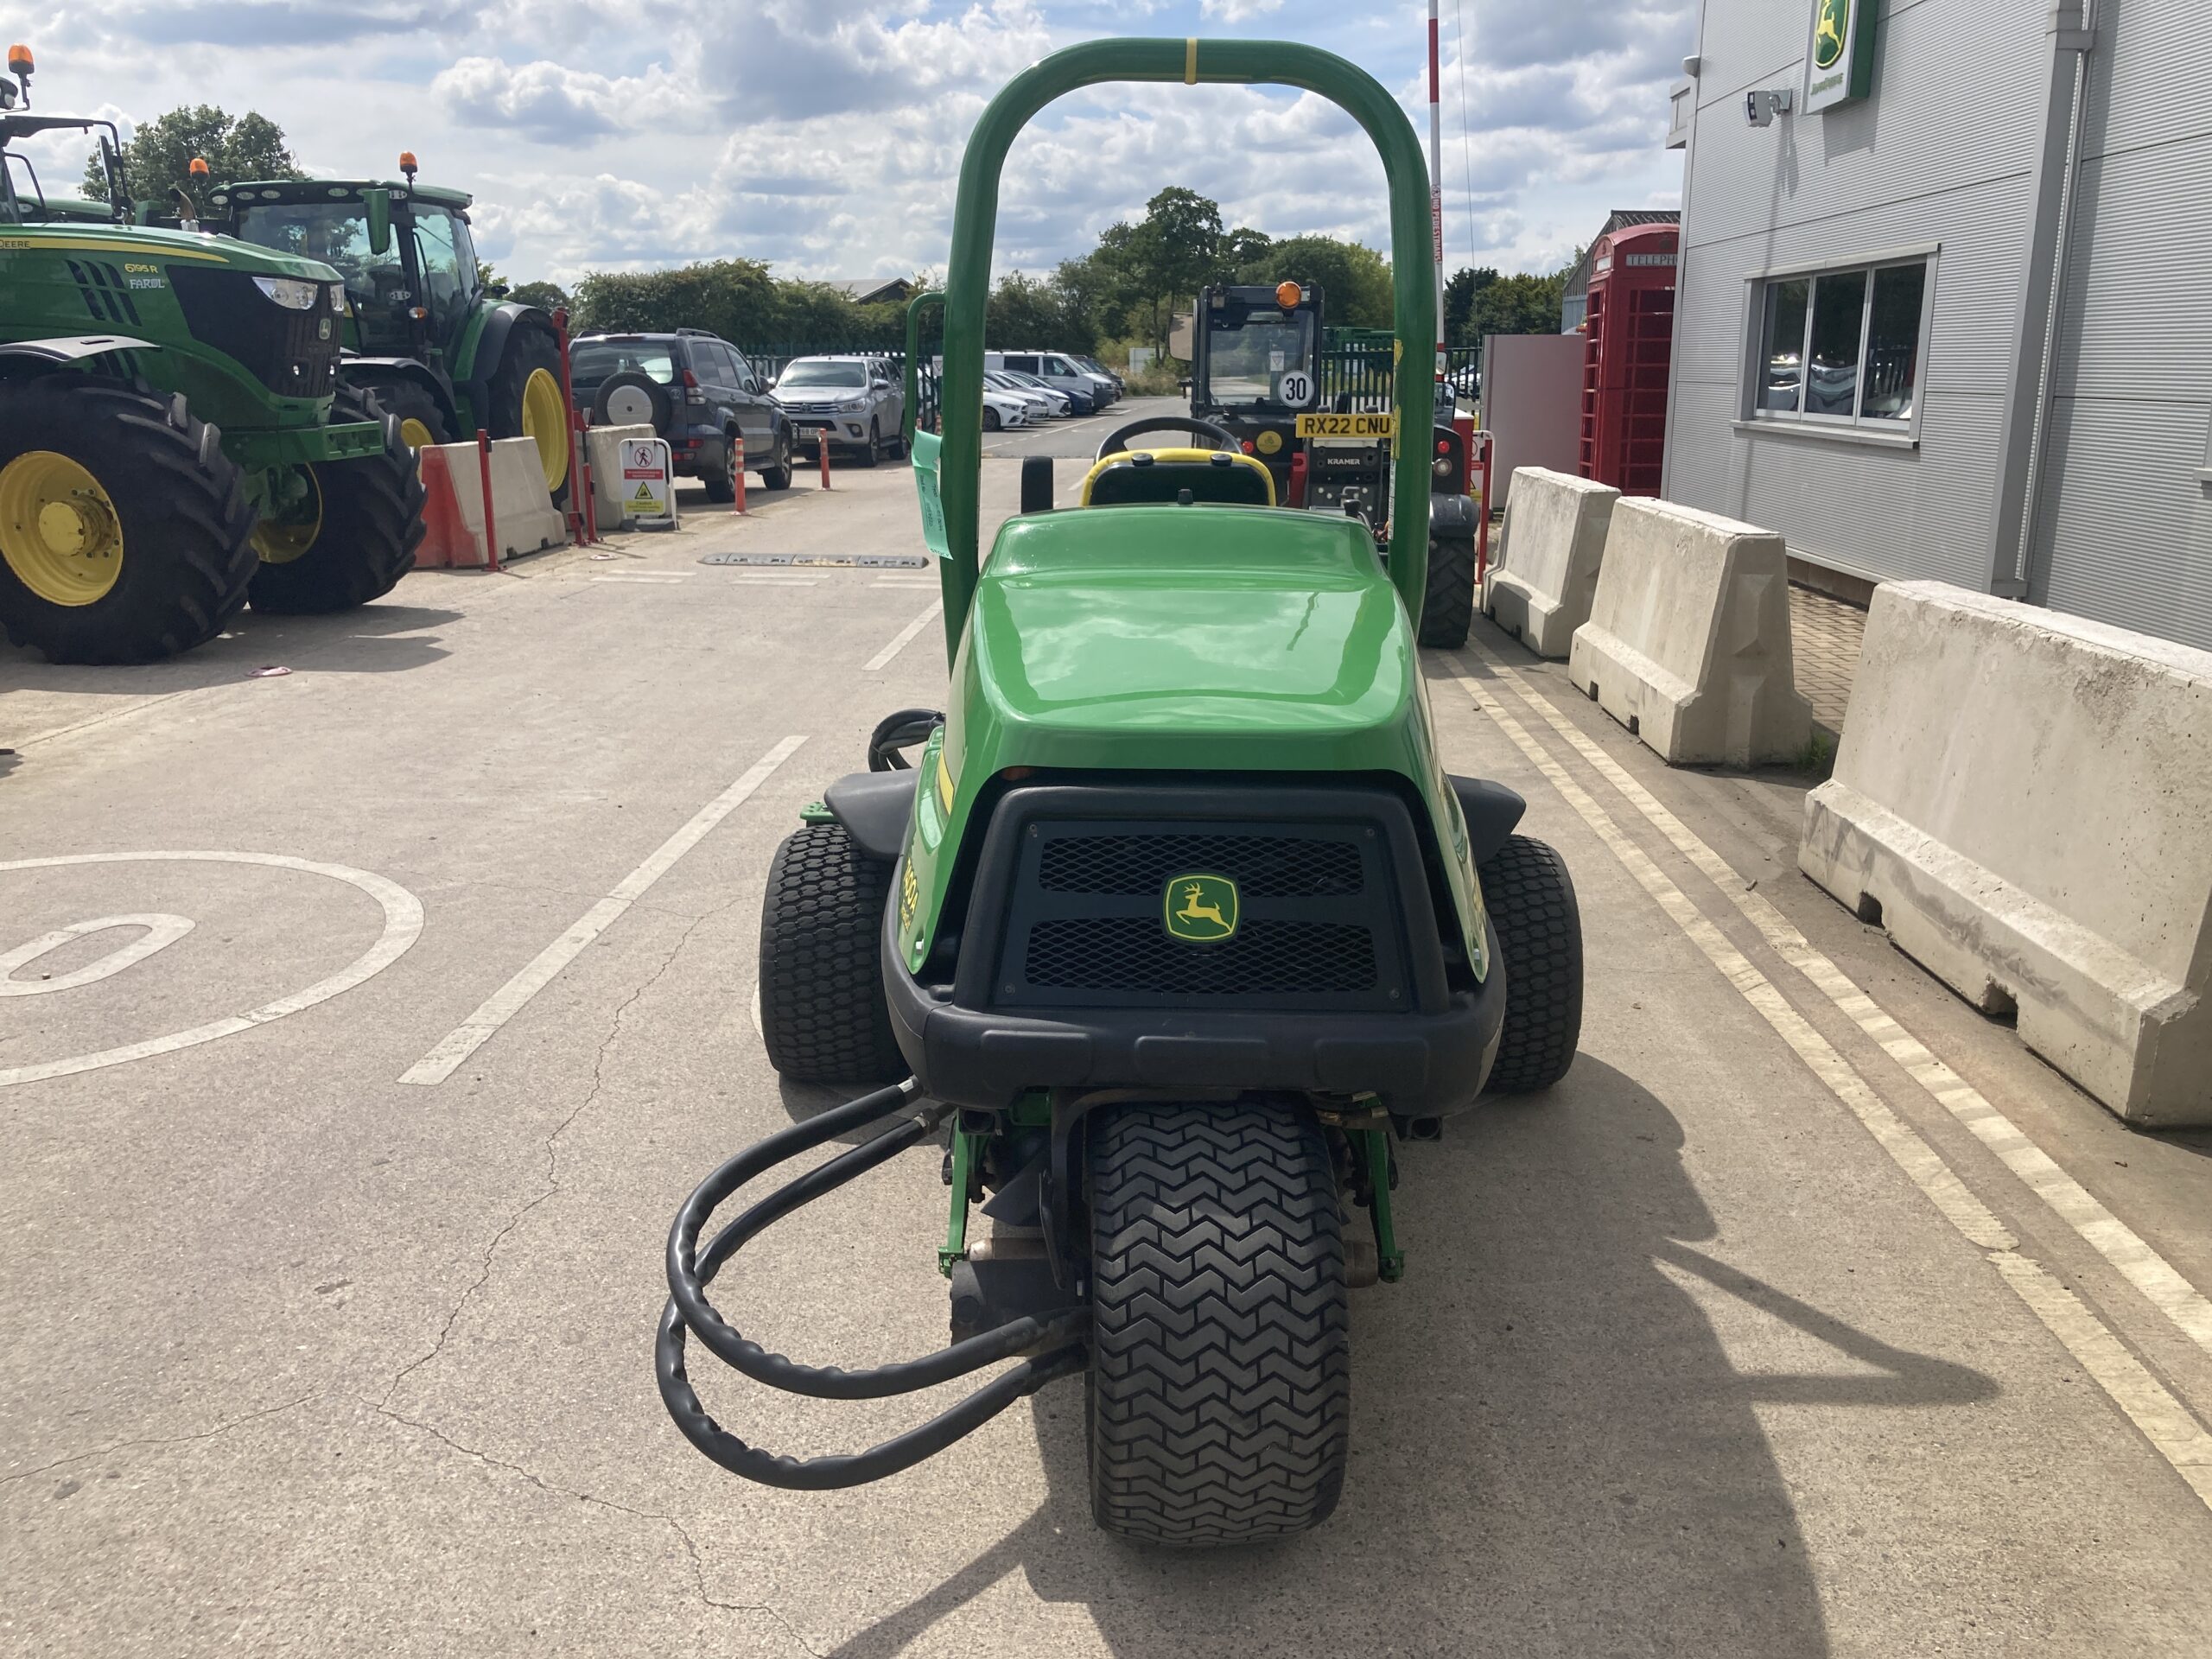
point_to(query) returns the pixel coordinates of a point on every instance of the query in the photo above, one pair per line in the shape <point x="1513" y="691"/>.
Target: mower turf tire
<point x="1219" y="1394"/>
<point x="371" y="524"/>
<point x="823" y="1014"/>
<point x="185" y="532"/>
<point x="1531" y="903"/>
<point x="1448" y="603"/>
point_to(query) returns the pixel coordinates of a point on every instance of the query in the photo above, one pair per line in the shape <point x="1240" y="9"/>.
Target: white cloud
<point x="1238" y="11"/>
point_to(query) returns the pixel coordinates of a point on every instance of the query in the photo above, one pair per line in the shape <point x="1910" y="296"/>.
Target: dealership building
<point x="1944" y="305"/>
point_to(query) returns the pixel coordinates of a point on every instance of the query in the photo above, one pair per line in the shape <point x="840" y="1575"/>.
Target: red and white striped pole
<point x="1436" y="175"/>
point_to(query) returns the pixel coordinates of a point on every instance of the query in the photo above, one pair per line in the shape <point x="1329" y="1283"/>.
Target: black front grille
<point x="294" y="353"/>
<point x="1266" y="958"/>
<point x="1264" y="866"/>
<point x="1318" y="925"/>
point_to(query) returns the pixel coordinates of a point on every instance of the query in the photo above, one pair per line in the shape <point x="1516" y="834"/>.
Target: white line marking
<point x="2156" y="1278"/>
<point x="161" y="929"/>
<point x="542" y="969"/>
<point x="2163" y="1420"/>
<point x="898" y="640"/>
<point x="640" y="575"/>
<point x="403" y="925"/>
<point x="907" y="582"/>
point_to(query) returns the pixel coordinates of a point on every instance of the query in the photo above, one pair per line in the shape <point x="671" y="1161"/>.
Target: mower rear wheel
<point x="367" y="523"/>
<point x="1530" y="898"/>
<point x="1220" y="1385"/>
<point x="126" y="535"/>
<point x="1448" y="604"/>
<point x="822" y="1013"/>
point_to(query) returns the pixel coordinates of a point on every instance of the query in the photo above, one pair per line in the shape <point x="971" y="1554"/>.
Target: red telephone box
<point x="1629" y="343"/>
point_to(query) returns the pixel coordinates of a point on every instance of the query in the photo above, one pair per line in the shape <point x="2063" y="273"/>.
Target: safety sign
<point x="645" y="491"/>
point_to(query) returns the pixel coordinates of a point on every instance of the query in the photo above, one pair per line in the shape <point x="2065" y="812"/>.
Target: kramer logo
<point x="1829" y="24"/>
<point x="1200" y="909"/>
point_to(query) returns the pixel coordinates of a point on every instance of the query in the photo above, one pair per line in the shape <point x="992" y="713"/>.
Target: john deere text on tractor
<point x="1177" y="925"/>
<point x="167" y="439"/>
<point x="445" y="355"/>
<point x="1256" y="369"/>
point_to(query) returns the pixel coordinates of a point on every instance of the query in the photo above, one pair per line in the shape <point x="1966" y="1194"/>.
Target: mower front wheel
<point x="1530" y="898"/>
<point x="1219" y="1395"/>
<point x="822" y="1013"/>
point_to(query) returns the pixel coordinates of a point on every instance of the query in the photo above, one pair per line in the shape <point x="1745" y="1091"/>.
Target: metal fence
<point x="1366" y="374"/>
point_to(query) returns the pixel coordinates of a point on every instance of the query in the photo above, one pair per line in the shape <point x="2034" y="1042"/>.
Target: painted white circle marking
<point x="403" y="925"/>
<point x="161" y="929"/>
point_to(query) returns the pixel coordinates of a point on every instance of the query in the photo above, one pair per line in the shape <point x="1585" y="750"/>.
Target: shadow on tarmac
<point x="372" y="640"/>
<point x="1551" y="1451"/>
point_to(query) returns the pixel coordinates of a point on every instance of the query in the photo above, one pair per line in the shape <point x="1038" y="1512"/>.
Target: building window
<point x="1841" y="347"/>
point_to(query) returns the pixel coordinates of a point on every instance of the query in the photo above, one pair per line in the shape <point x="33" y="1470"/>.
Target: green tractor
<point x="173" y="436"/>
<point x="435" y="347"/>
<point x="1256" y="370"/>
<point x="1174" y="934"/>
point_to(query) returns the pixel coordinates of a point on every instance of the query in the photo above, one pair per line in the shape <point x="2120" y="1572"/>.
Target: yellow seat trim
<point x="1205" y="455"/>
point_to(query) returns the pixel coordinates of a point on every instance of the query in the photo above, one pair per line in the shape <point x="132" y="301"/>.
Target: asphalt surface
<point x="1749" y="1339"/>
<point x="1078" y="437"/>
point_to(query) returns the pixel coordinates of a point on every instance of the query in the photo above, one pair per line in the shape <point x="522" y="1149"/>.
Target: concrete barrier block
<point x="1547" y="573"/>
<point x="2022" y="801"/>
<point x="1688" y="643"/>
<point x="604" y="446"/>
<point x="522" y="512"/>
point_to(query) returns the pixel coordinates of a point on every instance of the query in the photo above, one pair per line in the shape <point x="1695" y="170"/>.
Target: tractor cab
<point x="424" y="335"/>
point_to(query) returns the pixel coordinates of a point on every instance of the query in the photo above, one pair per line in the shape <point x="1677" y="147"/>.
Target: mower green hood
<point x="1193" y="639"/>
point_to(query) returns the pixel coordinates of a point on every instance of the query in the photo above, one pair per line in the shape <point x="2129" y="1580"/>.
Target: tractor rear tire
<point x="182" y="530"/>
<point x="1219" y="1394"/>
<point x="524" y="406"/>
<point x="1530" y="898"/>
<point x="1448" y="605"/>
<point x="822" y="1013"/>
<point x="372" y="524"/>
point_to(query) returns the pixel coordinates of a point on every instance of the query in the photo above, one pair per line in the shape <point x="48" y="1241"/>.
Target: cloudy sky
<point x="824" y="135"/>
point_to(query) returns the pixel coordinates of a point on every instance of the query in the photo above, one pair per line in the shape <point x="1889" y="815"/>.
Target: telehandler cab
<point x="1173" y="934"/>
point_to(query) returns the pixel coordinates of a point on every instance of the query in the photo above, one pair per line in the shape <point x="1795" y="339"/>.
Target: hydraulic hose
<point x="690" y="1270"/>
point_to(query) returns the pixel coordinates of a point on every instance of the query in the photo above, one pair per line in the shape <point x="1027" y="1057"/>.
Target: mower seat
<point x="1159" y="477"/>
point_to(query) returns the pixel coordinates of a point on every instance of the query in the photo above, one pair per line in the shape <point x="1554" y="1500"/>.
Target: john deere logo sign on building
<point x="1840" y="61"/>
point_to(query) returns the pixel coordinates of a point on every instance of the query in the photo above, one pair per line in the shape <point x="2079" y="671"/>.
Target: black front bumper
<point x="1423" y="1046"/>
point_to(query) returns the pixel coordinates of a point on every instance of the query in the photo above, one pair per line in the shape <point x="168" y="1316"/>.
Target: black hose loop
<point x="1058" y="1336"/>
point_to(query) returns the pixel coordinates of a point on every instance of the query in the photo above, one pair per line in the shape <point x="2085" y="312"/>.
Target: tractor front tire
<point x="527" y="403"/>
<point x="822" y="1013"/>
<point x="124" y="532"/>
<point x="371" y="524"/>
<point x="1448" y="604"/>
<point x="1530" y="898"/>
<point x="1219" y="1399"/>
<point x="422" y="420"/>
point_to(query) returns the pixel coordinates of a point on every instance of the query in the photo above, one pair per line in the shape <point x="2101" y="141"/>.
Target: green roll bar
<point x="911" y="416"/>
<point x="975" y="219"/>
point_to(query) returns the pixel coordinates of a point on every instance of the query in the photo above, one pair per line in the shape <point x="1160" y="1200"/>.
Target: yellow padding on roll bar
<point x="1191" y="61"/>
<point x="1205" y="455"/>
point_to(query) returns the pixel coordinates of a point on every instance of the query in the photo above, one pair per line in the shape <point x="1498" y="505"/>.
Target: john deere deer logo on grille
<point x="1200" y="909"/>
<point x="1828" y="25"/>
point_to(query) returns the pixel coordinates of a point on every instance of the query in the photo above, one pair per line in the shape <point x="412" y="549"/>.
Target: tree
<point x="158" y="156"/>
<point x="1355" y="279"/>
<point x="1172" y="253"/>
<point x="546" y="296"/>
<point x="1460" y="291"/>
<point x="1520" y="304"/>
<point x="1243" y="247"/>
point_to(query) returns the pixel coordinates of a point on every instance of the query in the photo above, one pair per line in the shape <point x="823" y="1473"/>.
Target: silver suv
<point x="856" y="400"/>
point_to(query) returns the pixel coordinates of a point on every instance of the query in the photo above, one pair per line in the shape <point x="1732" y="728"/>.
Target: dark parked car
<point x="694" y="390"/>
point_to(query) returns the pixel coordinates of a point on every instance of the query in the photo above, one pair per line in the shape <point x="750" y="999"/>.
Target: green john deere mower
<point x="436" y="348"/>
<point x="173" y="436"/>
<point x="1173" y="935"/>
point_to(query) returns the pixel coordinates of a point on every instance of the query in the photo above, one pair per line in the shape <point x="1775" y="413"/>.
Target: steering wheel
<point x="1119" y="439"/>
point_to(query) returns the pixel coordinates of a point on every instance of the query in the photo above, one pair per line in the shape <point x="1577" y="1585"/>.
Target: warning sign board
<point x="643" y="492"/>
